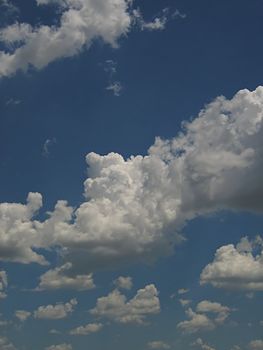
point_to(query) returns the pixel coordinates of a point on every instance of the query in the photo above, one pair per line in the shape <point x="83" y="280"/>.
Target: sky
<point x="131" y="161"/>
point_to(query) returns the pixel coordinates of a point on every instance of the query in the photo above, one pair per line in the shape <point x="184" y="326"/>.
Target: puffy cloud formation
<point x="199" y="321"/>
<point x="57" y="279"/>
<point x="81" y="22"/>
<point x="237" y="267"/>
<point x="115" y="306"/>
<point x="256" y="344"/>
<point x="22" y="315"/>
<point x="5" y="344"/>
<point x="185" y="302"/>
<point x="123" y="283"/>
<point x="17" y="233"/>
<point x="158" y="344"/>
<point x="63" y="346"/>
<point x="134" y="208"/>
<point x="202" y="345"/>
<point x="3" y="284"/>
<point x="87" y="329"/>
<point x="55" y="312"/>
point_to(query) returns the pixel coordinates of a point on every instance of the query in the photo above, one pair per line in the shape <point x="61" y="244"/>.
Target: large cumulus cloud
<point x="135" y="207"/>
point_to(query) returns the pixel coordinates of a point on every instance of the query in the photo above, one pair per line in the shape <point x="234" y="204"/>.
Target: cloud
<point x="59" y="278"/>
<point x="134" y="208"/>
<point x="158" y="344"/>
<point x="5" y="344"/>
<point x="22" y="315"/>
<point x="115" y="306"/>
<point x="13" y="102"/>
<point x="182" y="291"/>
<point x="81" y="22"/>
<point x="185" y="302"/>
<point x="55" y="312"/>
<point x="63" y="346"/>
<point x="3" y="284"/>
<point x="87" y="329"/>
<point x="157" y="23"/>
<point x="256" y="344"/>
<point x="199" y="321"/>
<point x="18" y="236"/>
<point x="47" y="145"/>
<point x="123" y="283"/>
<point x="115" y="87"/>
<point x="202" y="345"/>
<point x="237" y="267"/>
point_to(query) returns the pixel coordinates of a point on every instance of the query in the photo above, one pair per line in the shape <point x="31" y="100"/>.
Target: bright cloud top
<point x="134" y="208"/>
<point x="239" y="267"/>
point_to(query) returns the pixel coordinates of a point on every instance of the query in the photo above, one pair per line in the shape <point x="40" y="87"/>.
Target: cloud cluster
<point x="237" y="267"/>
<point x="55" y="312"/>
<point x="207" y="317"/>
<point x="22" y="315"/>
<point x="135" y="207"/>
<point x="123" y="282"/>
<point x="256" y="344"/>
<point x="115" y="306"/>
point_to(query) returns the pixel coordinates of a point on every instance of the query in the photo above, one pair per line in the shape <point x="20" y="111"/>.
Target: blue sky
<point x="131" y="165"/>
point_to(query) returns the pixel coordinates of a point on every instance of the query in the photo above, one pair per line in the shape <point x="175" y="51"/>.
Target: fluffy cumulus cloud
<point x="115" y="306"/>
<point x="55" y="312"/>
<point x="87" y="329"/>
<point x="123" y="282"/>
<point x="81" y="22"/>
<point x="158" y="344"/>
<point x="3" y="284"/>
<point x="134" y="208"/>
<point x="207" y="317"/>
<point x="63" y="346"/>
<point x="237" y="267"/>
<point x="58" y="279"/>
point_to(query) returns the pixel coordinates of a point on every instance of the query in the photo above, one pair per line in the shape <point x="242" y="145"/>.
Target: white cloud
<point x="55" y="312"/>
<point x="185" y="302"/>
<point x="115" y="306"/>
<point x="134" y="208"/>
<point x="47" y="145"/>
<point x="182" y="291"/>
<point x="81" y="22"/>
<point x="22" y="315"/>
<point x="115" y="87"/>
<point x="59" y="278"/>
<point x="63" y="346"/>
<point x="199" y="321"/>
<point x="3" y="284"/>
<point x="256" y="344"/>
<point x="202" y="345"/>
<point x="5" y="344"/>
<point x="123" y="283"/>
<point x="158" y="344"/>
<point x="87" y="329"/>
<point x="237" y="268"/>
<point x="222" y="312"/>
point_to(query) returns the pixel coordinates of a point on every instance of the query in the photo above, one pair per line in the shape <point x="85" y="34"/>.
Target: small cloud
<point x="22" y="315"/>
<point x="47" y="145"/>
<point x="178" y="14"/>
<point x="182" y="291"/>
<point x="159" y="345"/>
<point x="54" y="331"/>
<point x="123" y="282"/>
<point x="115" y="87"/>
<point x="185" y="302"/>
<point x="13" y="102"/>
